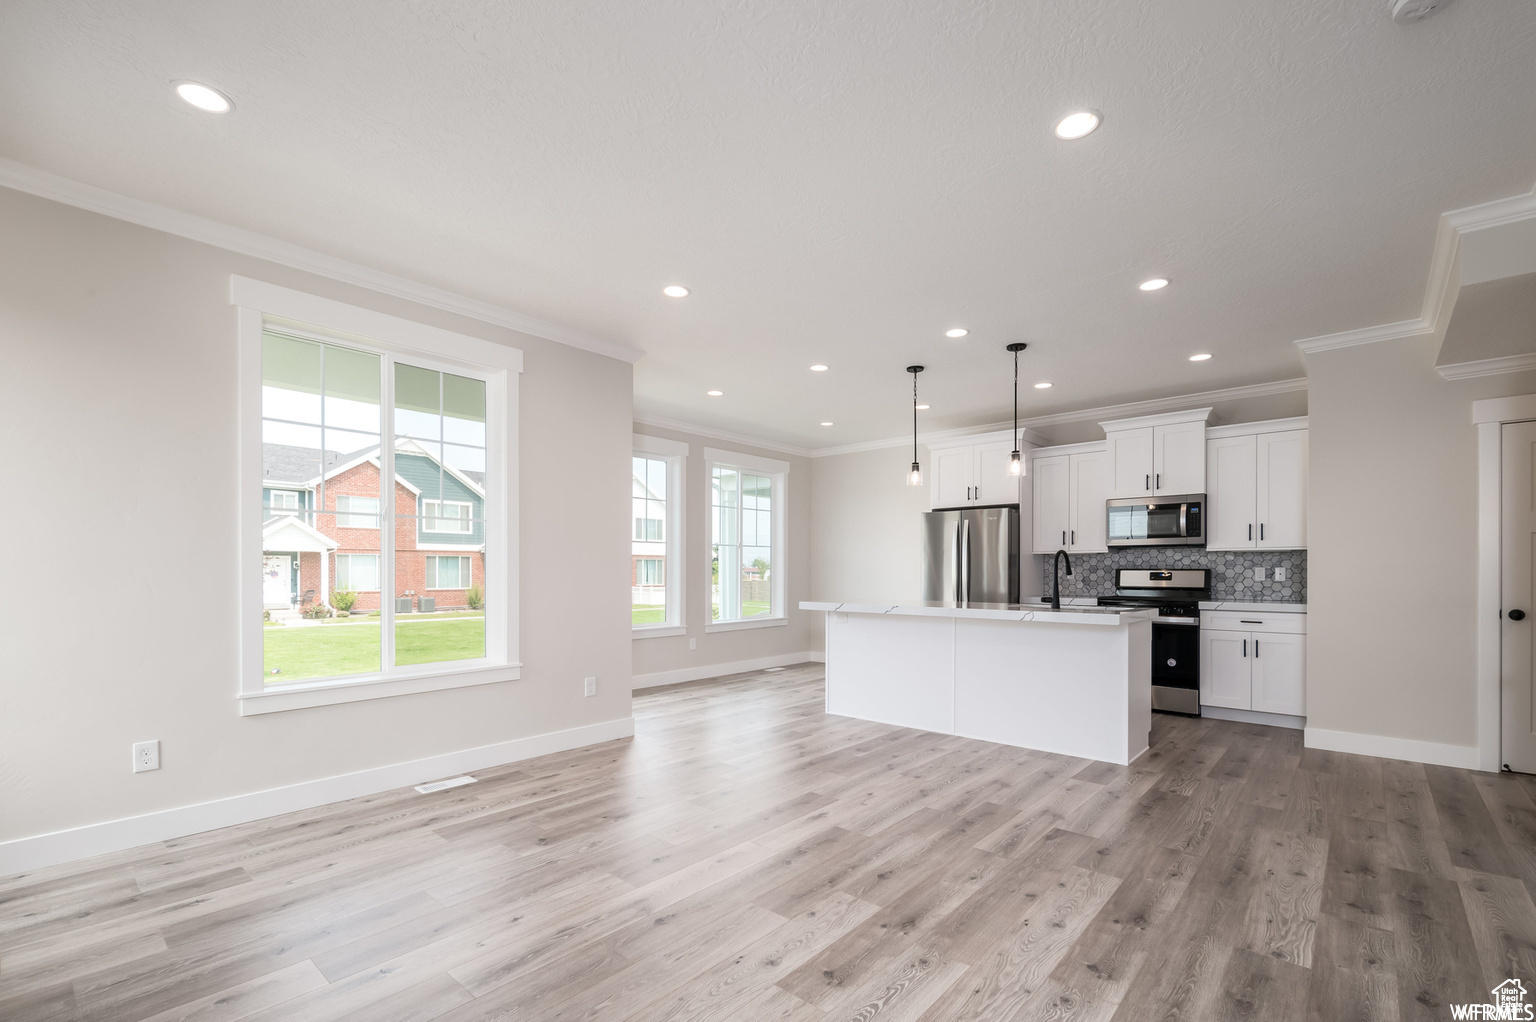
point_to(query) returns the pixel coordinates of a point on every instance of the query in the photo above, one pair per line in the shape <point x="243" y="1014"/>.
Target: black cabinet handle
<point x="1517" y="615"/>
<point x="1261" y="531"/>
<point x="1255" y="649"/>
<point x="1245" y="649"/>
<point x="1159" y="480"/>
<point x="1250" y="530"/>
<point x="1149" y="482"/>
<point x="1074" y="535"/>
<point x="1063" y="537"/>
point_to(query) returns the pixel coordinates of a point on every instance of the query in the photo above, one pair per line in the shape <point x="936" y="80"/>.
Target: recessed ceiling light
<point x="1074" y="126"/>
<point x="1155" y="284"/>
<point x="204" y="97"/>
<point x="826" y="423"/>
<point x="818" y="368"/>
<point x="958" y="331"/>
<point x="923" y="408"/>
<point x="675" y="291"/>
<point x="1200" y="357"/>
<point x="1042" y="386"/>
<point x="715" y="393"/>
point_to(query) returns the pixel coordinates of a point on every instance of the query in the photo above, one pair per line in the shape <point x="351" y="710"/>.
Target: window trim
<point x="675" y="454"/>
<point x="272" y="491"/>
<point x="436" y="576"/>
<point x="349" y="555"/>
<point x="778" y="474"/>
<point x="468" y="519"/>
<point x="260" y="305"/>
<point x="376" y="514"/>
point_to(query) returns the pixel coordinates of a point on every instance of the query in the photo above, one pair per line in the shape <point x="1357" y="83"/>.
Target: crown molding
<point x="678" y="426"/>
<point x="1367" y="335"/>
<point x="1487" y="367"/>
<point x="1181" y="402"/>
<point x="24" y="178"/>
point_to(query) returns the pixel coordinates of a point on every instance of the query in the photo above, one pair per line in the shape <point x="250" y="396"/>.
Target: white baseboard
<point x="1410" y="749"/>
<point x="1255" y="717"/>
<point x="703" y="671"/>
<point x="28" y="853"/>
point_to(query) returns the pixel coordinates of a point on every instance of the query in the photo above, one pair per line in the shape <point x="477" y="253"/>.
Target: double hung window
<point x="656" y="549"/>
<point x="398" y="434"/>
<point x="747" y="509"/>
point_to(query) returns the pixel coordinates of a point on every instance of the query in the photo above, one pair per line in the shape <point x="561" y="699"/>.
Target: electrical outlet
<point x="591" y="688"/>
<point x="1258" y="574"/>
<point x="693" y="643"/>
<point x="1279" y="574"/>
<point x="146" y="756"/>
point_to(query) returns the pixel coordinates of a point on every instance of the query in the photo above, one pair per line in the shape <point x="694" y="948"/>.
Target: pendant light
<point x="915" y="477"/>
<point x="1016" y="463"/>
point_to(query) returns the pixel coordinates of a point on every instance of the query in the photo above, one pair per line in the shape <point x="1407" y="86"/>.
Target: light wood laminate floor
<point x="747" y="857"/>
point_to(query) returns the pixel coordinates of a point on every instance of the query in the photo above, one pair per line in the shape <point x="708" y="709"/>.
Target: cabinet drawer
<point x="1252" y="621"/>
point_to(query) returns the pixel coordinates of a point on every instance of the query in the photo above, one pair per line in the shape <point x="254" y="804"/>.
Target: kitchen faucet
<point x="1056" y="576"/>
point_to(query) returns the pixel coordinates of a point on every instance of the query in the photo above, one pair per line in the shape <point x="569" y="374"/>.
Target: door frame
<point x="1490" y="416"/>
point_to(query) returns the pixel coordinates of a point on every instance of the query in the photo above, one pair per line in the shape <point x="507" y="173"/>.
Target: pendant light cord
<point x="1015" y="401"/>
<point x="914" y="418"/>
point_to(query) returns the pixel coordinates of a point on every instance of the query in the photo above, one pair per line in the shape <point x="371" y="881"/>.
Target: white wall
<point x="666" y="659"/>
<point x="1392" y="532"/>
<point x="119" y="432"/>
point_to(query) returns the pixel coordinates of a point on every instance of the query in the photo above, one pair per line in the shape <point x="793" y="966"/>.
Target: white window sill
<point x="301" y="694"/>
<point x="657" y="631"/>
<point x="752" y="622"/>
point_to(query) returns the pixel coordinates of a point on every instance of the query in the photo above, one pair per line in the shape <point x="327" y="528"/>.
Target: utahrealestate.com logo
<point x="1508" y="1003"/>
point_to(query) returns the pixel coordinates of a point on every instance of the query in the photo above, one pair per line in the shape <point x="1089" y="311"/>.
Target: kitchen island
<point x="1075" y="681"/>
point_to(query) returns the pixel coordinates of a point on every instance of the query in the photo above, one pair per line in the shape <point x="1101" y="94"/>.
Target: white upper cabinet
<point x="1087" y="531"/>
<point x="1257" y="497"/>
<point x="1052" y="503"/>
<point x="1231" y="502"/>
<point x="1282" y="490"/>
<point x="993" y="483"/>
<point x="973" y="474"/>
<point x="1156" y="456"/>
<point x="1130" y="454"/>
<point x="953" y="470"/>
<point x="1069" y="494"/>
<point x="1178" y="458"/>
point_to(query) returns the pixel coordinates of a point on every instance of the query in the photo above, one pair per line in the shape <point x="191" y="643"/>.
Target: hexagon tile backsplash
<point x="1232" y="572"/>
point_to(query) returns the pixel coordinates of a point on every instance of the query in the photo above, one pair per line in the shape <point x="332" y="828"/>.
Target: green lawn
<point x="301" y="653"/>
<point x="748" y="609"/>
<point x="648" y="614"/>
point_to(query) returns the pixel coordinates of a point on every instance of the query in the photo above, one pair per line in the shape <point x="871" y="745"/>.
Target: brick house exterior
<point x="415" y="540"/>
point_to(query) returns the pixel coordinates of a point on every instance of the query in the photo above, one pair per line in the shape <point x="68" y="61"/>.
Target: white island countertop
<point x="1085" y="614"/>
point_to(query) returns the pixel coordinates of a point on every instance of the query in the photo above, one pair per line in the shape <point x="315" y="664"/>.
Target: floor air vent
<point x="452" y="782"/>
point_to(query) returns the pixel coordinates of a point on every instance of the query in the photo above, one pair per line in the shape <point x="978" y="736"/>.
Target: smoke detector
<point x="1406" y="12"/>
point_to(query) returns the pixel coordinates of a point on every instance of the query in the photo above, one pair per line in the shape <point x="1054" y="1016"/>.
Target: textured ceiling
<point x="837" y="182"/>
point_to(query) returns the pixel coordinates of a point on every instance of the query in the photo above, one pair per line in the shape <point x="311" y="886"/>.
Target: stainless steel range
<point x="1176" y="596"/>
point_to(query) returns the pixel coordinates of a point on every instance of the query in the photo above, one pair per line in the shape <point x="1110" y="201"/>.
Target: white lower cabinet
<point x="1264" y="669"/>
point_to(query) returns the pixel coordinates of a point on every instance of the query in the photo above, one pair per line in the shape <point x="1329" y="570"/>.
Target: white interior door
<point x="277" y="580"/>
<point x="1519" y="528"/>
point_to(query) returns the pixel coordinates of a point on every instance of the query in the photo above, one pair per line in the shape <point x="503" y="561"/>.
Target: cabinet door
<point x="993" y="483"/>
<point x="1280" y="673"/>
<point x="1282" y="490"/>
<point x="1226" y="677"/>
<point x="1178" y="458"/>
<point x="1231" y="503"/>
<point x="1051" y="492"/>
<point x="952" y="477"/>
<point x="1087" y="531"/>
<point x="1130" y="455"/>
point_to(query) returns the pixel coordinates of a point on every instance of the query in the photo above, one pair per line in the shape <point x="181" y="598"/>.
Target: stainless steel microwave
<point x="1162" y="521"/>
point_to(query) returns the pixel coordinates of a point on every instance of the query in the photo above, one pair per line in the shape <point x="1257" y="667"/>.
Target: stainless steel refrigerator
<point x="971" y="555"/>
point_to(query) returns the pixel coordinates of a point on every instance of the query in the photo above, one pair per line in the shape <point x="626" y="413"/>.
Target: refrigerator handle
<point x="965" y="560"/>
